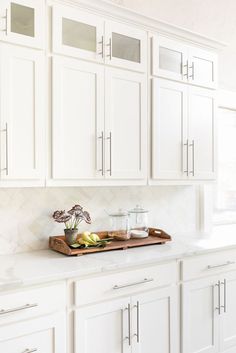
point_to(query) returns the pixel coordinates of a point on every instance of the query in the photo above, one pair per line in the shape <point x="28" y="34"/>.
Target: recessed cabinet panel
<point x="77" y="33"/>
<point x="22" y="137"/>
<point x="109" y="325"/>
<point x="77" y="119"/>
<point x="169" y="59"/>
<point x="23" y="22"/>
<point x="202" y="107"/>
<point x="126" y="121"/>
<point x="169" y="130"/>
<point x="200" y="316"/>
<point x="125" y="46"/>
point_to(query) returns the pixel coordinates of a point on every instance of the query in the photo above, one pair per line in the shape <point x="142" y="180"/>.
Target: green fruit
<point x="94" y="237"/>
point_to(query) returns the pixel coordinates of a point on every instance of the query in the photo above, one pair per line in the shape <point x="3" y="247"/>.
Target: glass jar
<point x="138" y="218"/>
<point x="119" y="225"/>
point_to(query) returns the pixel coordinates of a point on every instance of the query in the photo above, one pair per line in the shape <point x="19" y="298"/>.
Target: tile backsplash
<point x="26" y="222"/>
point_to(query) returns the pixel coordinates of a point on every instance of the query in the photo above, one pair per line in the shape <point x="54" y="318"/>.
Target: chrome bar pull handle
<point x="187" y="146"/>
<point x="129" y="324"/>
<point x="225" y="295"/>
<point x="187" y="68"/>
<point x="193" y="73"/>
<point x="6" y="28"/>
<point x="110" y="49"/>
<point x="145" y="280"/>
<point x="31" y="350"/>
<point x="101" y="137"/>
<point x="102" y="47"/>
<point x="210" y="267"/>
<point x="110" y="139"/>
<point x="193" y="158"/>
<point x="219" y="298"/>
<point x="137" y="306"/>
<point x="19" y="308"/>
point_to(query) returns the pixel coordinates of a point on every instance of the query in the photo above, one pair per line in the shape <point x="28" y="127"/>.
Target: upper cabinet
<point x="22" y="22"/>
<point x="86" y="36"/>
<point x="177" y="61"/>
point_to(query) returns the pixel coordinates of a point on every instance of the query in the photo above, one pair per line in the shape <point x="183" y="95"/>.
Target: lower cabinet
<point x="209" y="315"/>
<point x="143" y="323"/>
<point x="42" y="335"/>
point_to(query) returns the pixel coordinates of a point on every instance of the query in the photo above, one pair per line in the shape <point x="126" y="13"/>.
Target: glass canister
<point x="138" y="218"/>
<point x="119" y="225"/>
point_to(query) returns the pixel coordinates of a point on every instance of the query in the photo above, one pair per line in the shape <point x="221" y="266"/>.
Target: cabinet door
<point x="169" y="59"/>
<point x="46" y="335"/>
<point x="78" y="119"/>
<point x="169" y="130"/>
<point x="202" y="110"/>
<point x="202" y="68"/>
<point x="77" y="33"/>
<point x="228" y="313"/>
<point x="22" y="22"/>
<point x="104" y="328"/>
<point x="155" y="322"/>
<point x="126" y="46"/>
<point x="200" y="317"/>
<point x="22" y="132"/>
<point x="126" y="125"/>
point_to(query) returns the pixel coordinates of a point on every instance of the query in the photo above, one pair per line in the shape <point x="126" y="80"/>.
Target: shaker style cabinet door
<point x="125" y="46"/>
<point x="23" y="114"/>
<point x="104" y="328"/>
<point x="202" y="68"/>
<point x="169" y="129"/>
<point x="43" y="335"/>
<point x="200" y="316"/>
<point x="169" y="59"/>
<point x="77" y="33"/>
<point x="202" y="154"/>
<point x="155" y="322"/>
<point x="78" y="120"/>
<point x="126" y="125"/>
<point x="22" y="22"/>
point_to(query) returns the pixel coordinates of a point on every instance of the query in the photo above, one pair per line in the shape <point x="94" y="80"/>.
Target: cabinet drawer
<point x="43" y="335"/>
<point x="206" y="265"/>
<point x="29" y="303"/>
<point x="122" y="283"/>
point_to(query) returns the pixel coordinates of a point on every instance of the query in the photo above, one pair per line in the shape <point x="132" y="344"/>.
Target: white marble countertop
<point x="46" y="265"/>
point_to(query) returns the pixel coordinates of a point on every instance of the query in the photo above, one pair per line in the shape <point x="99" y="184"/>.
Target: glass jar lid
<point x="119" y="213"/>
<point x="138" y="209"/>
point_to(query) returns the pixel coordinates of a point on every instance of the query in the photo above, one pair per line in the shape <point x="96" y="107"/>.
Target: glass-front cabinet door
<point x="125" y="46"/>
<point x="22" y="22"/>
<point x="77" y="33"/>
<point x="169" y="59"/>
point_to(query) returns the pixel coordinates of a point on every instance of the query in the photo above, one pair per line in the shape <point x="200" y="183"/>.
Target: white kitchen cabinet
<point x="169" y="129"/>
<point x="202" y="133"/>
<point x="46" y="334"/>
<point x="178" y="61"/>
<point x="125" y="46"/>
<point x="87" y="36"/>
<point x="78" y="119"/>
<point x="22" y="22"/>
<point x="183" y="138"/>
<point x="78" y="33"/>
<point x="126" y="124"/>
<point x="104" y="328"/>
<point x="22" y="114"/>
<point x="200" y="316"/>
<point x="155" y="321"/>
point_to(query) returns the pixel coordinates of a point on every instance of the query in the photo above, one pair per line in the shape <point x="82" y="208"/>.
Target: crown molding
<point x="124" y="14"/>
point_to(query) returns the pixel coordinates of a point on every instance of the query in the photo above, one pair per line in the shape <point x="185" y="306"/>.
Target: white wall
<point x="213" y="18"/>
<point x="25" y="214"/>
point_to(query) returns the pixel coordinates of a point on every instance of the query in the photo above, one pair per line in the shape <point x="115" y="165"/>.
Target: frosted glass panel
<point x="22" y="19"/>
<point x="126" y="48"/>
<point x="78" y="35"/>
<point x="170" y="60"/>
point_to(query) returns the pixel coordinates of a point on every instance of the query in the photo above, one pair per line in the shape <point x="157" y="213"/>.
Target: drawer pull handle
<point x="146" y="280"/>
<point x="31" y="350"/>
<point x="209" y="267"/>
<point x="8" y="311"/>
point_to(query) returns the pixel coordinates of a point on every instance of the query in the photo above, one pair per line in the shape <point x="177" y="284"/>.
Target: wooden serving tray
<point x="156" y="236"/>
